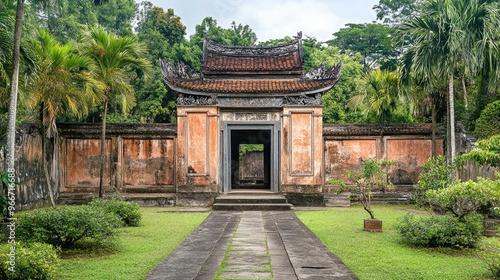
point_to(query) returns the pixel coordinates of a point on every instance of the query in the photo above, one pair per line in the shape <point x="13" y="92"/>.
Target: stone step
<point x="250" y="199"/>
<point x="252" y="207"/>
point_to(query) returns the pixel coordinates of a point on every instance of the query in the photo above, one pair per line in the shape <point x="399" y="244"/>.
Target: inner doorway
<point x="250" y="157"/>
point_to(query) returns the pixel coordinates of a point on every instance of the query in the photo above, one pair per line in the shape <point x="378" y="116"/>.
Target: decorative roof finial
<point x="299" y="35"/>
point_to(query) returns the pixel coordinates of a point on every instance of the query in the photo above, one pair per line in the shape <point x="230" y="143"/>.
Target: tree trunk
<point x="451" y="104"/>
<point x="103" y="143"/>
<point x="44" y="160"/>
<point x="464" y="87"/>
<point x="433" y="127"/>
<point x="11" y="125"/>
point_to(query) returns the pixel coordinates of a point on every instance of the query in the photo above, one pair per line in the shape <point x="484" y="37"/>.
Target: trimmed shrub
<point x="32" y="261"/>
<point x="486" y="151"/>
<point x="490" y="254"/>
<point x="488" y="124"/>
<point x="440" y="231"/>
<point x="436" y="174"/>
<point x="66" y="225"/>
<point x="129" y="212"/>
<point x="464" y="198"/>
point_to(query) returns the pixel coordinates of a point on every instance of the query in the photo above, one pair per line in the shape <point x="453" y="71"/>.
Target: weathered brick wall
<point x="135" y="155"/>
<point x="347" y="146"/>
<point x="32" y="190"/>
<point x="147" y="156"/>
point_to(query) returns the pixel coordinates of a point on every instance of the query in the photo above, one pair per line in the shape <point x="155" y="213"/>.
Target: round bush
<point x="66" y="225"/>
<point x="435" y="175"/>
<point x="129" y="212"/>
<point x="488" y="124"/>
<point x="440" y="231"/>
<point x="31" y="261"/>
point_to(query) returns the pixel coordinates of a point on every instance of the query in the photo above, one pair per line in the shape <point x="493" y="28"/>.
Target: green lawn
<point x="384" y="255"/>
<point x="140" y="250"/>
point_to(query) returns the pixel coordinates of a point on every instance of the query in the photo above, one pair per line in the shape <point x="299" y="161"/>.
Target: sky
<point x="274" y="19"/>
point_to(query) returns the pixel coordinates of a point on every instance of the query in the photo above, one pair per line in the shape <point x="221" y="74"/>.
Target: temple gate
<point x="250" y="96"/>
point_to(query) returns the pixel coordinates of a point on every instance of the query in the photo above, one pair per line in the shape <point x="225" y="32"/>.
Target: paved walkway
<point x="251" y="245"/>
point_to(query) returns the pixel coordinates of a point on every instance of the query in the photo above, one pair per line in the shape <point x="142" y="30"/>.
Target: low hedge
<point x="129" y="212"/>
<point x="440" y="231"/>
<point x="29" y="261"/>
<point x="66" y="225"/>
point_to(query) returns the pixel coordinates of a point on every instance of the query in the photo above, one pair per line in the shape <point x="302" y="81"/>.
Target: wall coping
<point x="377" y="129"/>
<point x="86" y="130"/>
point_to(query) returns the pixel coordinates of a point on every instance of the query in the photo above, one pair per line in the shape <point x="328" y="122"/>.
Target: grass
<point x="140" y="250"/>
<point x="384" y="255"/>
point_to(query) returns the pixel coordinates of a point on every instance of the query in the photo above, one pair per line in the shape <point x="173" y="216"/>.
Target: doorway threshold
<point x="251" y="191"/>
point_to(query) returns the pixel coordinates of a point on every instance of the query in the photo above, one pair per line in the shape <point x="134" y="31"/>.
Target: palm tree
<point x="10" y="57"/>
<point x="381" y="98"/>
<point x="446" y="33"/>
<point x="114" y="57"/>
<point x="14" y="85"/>
<point x="64" y="86"/>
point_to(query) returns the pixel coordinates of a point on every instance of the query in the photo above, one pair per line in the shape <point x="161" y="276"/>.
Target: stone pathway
<point x="251" y="245"/>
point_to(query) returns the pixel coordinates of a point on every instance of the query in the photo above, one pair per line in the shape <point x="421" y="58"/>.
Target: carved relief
<point x="283" y="48"/>
<point x="251" y="102"/>
<point x="304" y="100"/>
<point x="250" y="116"/>
<point x="196" y="100"/>
<point x="320" y="72"/>
<point x="179" y="71"/>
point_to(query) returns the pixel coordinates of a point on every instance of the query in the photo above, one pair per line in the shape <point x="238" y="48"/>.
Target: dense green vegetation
<point x="372" y="89"/>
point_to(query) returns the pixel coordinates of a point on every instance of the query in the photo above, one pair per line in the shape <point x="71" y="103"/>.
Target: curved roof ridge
<point x="294" y="45"/>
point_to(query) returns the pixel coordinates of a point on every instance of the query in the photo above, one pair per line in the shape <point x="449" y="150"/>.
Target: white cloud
<point x="278" y="18"/>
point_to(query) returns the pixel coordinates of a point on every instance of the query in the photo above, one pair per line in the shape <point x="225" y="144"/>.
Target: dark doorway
<point x="250" y="159"/>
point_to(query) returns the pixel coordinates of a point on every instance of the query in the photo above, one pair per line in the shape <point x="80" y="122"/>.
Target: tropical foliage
<point x="458" y="34"/>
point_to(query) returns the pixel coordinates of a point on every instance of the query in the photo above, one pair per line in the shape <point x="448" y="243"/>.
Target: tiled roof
<point x="222" y="63"/>
<point x="253" y="85"/>
<point x="222" y="59"/>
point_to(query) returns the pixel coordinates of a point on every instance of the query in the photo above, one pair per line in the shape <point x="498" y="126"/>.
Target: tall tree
<point x="337" y="109"/>
<point x="163" y="33"/>
<point x="66" y="19"/>
<point x="14" y="86"/>
<point x="372" y="40"/>
<point x="236" y="35"/>
<point x="114" y="58"/>
<point x="395" y="12"/>
<point x="382" y="101"/>
<point x="446" y="33"/>
<point x="64" y="86"/>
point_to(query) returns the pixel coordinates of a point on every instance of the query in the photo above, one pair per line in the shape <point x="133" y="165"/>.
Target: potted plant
<point x="492" y="219"/>
<point x="371" y="178"/>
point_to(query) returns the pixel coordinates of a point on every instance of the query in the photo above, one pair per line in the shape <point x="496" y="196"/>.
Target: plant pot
<point x="490" y="227"/>
<point x="373" y="225"/>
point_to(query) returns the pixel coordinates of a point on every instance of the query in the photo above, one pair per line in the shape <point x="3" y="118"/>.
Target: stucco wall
<point x="347" y="146"/>
<point x="32" y="190"/>
<point x="135" y="156"/>
<point x="142" y="156"/>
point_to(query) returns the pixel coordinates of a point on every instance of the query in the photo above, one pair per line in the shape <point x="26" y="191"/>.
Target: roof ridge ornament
<point x="280" y="49"/>
<point x="320" y="72"/>
<point x="178" y="71"/>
